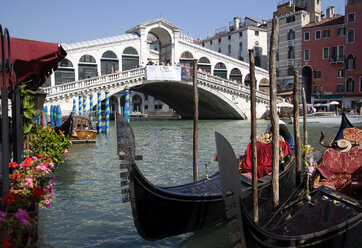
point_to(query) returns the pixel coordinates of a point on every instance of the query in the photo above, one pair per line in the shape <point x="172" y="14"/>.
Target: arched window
<point x="291" y="34"/>
<point x="187" y="55"/>
<point x="204" y="64"/>
<point x="65" y="72"/>
<point x="220" y="70"/>
<point x="291" y="53"/>
<point x="236" y="75"/>
<point x="350" y="85"/>
<point x="256" y="43"/>
<point x="109" y="63"/>
<point x="187" y="58"/>
<point x="87" y="67"/>
<point x="350" y="35"/>
<point x="130" y="59"/>
<point x="350" y="62"/>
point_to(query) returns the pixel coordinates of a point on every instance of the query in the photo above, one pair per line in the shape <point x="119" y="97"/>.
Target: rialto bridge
<point x="110" y="64"/>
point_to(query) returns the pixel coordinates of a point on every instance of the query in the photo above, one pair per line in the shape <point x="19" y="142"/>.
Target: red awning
<point x="35" y="58"/>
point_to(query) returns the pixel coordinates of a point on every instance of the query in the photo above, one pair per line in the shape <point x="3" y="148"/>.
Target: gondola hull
<point x="161" y="212"/>
<point x="330" y="220"/>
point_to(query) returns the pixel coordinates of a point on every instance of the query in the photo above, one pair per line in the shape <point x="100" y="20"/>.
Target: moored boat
<point x="323" y="218"/>
<point x="83" y="130"/>
<point x="160" y="212"/>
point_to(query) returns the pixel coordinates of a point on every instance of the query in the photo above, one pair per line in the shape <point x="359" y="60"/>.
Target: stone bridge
<point x="108" y="64"/>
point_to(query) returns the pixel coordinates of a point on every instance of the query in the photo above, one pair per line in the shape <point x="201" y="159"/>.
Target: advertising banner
<point x="155" y="72"/>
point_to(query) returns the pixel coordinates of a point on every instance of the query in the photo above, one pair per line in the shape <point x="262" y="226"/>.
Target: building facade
<point x="293" y="16"/>
<point x="331" y="58"/>
<point x="323" y="65"/>
<point x="353" y="77"/>
<point x="238" y="38"/>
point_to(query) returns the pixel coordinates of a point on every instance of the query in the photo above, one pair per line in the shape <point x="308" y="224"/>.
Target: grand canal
<point x="88" y="209"/>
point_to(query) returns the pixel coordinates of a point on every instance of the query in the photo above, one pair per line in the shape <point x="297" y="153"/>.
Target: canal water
<point x="88" y="211"/>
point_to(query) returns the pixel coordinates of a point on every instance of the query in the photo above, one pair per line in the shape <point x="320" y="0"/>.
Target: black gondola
<point x="67" y="127"/>
<point x="160" y="212"/>
<point x="329" y="219"/>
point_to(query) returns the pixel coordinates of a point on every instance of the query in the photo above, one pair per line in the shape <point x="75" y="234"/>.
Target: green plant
<point x="46" y="141"/>
<point x="29" y="110"/>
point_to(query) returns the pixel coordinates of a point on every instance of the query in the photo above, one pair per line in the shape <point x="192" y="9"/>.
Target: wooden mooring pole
<point x="304" y="99"/>
<point x="196" y="124"/>
<point x="273" y="110"/>
<point x="253" y="136"/>
<point x="298" y="154"/>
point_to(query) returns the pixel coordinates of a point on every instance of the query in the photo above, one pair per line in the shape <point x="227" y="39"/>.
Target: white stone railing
<point x="230" y="84"/>
<point x="106" y="80"/>
<point x="93" y="82"/>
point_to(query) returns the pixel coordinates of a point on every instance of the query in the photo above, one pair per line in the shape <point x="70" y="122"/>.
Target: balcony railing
<point x="290" y="43"/>
<point x="290" y="62"/>
<point x="336" y="59"/>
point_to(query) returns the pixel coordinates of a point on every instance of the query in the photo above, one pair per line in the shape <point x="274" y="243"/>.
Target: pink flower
<point x="2" y="216"/>
<point x="29" y="182"/>
<point x="23" y="216"/>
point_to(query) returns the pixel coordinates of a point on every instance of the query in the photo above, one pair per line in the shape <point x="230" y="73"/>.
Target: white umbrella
<point x="333" y="103"/>
<point x="285" y="105"/>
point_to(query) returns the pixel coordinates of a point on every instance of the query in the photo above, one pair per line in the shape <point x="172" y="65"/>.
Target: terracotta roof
<point x="327" y="22"/>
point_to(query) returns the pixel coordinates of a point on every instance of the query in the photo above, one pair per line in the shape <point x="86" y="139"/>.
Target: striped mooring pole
<point x="84" y="105"/>
<point x="80" y="104"/>
<point x="91" y="107"/>
<point x="107" y="112"/>
<point x="51" y="115"/>
<point x="59" y="116"/>
<point x="74" y="106"/>
<point x="99" y="111"/>
<point x="46" y="115"/>
<point x="126" y="105"/>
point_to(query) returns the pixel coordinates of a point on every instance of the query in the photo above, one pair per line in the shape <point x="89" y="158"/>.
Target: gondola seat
<point x="353" y="134"/>
<point x="341" y="171"/>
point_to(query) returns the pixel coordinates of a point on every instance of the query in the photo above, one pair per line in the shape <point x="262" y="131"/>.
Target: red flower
<point x="7" y="242"/>
<point x="49" y="159"/>
<point x="40" y="156"/>
<point x="13" y="165"/>
<point x="46" y="164"/>
<point x="15" y="176"/>
<point x="38" y="192"/>
<point x="9" y="198"/>
<point x="27" y="162"/>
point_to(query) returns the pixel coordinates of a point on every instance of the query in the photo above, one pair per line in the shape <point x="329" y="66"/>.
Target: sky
<point x="69" y="21"/>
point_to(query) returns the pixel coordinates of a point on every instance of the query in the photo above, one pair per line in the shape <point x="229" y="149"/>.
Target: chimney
<point x="330" y="12"/>
<point x="236" y="23"/>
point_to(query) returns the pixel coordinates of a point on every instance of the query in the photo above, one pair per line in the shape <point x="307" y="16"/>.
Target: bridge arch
<point x="130" y="58"/>
<point x="65" y="72"/>
<point x="109" y="62"/>
<point x="87" y="67"/>
<point x="186" y="58"/>
<point x="164" y="40"/>
<point x="264" y="85"/>
<point x="221" y="70"/>
<point x="235" y="74"/>
<point x="136" y="103"/>
<point x="204" y="64"/>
